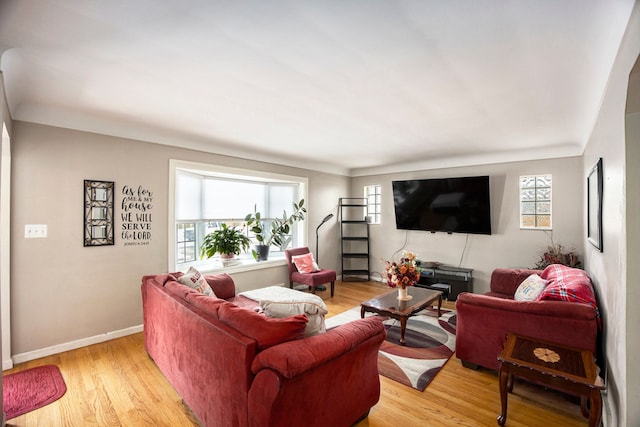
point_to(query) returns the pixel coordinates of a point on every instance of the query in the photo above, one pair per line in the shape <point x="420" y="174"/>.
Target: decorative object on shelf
<point x="227" y="241"/>
<point x="402" y="274"/>
<point x="594" y="205"/>
<point x="555" y="254"/>
<point x="98" y="213"/>
<point x="279" y="233"/>
<point x="325" y="219"/>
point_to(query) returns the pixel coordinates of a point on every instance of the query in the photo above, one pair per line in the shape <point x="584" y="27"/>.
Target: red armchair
<point x="314" y="279"/>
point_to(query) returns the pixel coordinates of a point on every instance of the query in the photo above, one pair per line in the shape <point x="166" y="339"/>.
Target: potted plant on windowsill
<point x="278" y="235"/>
<point x="227" y="241"/>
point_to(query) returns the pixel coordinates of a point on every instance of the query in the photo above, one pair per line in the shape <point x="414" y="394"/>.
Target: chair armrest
<point x="296" y="357"/>
<point x="506" y="280"/>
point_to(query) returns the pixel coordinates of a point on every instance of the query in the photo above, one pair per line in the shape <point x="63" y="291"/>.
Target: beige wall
<point x="62" y="291"/>
<point x="508" y="245"/>
<point x="615" y="270"/>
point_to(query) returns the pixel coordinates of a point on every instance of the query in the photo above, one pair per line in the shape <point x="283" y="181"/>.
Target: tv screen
<point x="452" y="205"/>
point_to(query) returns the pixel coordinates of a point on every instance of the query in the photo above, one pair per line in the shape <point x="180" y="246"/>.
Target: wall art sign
<point x="595" y="188"/>
<point x="98" y="213"/>
<point x="137" y="204"/>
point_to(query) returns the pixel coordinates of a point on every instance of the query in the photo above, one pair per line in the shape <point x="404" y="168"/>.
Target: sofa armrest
<point x="295" y="357"/>
<point x="295" y="382"/>
<point x="505" y="281"/>
<point x="483" y="323"/>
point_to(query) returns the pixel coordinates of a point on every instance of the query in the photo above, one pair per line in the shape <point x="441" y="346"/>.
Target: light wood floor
<point x="116" y="384"/>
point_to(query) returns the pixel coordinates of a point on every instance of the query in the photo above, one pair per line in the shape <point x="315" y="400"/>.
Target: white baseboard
<point x="7" y="364"/>
<point x="72" y="345"/>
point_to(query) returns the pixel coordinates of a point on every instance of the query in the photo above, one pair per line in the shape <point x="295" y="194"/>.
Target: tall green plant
<point x="280" y="227"/>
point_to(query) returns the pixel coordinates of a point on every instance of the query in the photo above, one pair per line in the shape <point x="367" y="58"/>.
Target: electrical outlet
<point x="35" y="231"/>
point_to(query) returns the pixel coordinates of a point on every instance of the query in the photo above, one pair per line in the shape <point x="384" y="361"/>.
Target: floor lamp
<point x="325" y="219"/>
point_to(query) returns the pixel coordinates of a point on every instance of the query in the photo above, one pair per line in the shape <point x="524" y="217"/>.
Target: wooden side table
<point x="561" y="368"/>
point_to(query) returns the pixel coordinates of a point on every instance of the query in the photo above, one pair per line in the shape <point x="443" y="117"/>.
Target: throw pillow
<point x="194" y="279"/>
<point x="567" y="284"/>
<point x="266" y="331"/>
<point x="305" y="263"/>
<point x="530" y="288"/>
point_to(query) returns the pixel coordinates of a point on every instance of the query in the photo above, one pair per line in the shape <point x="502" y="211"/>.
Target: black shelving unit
<point x="354" y="238"/>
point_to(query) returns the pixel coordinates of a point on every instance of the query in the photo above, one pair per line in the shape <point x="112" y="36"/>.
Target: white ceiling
<point x="345" y="86"/>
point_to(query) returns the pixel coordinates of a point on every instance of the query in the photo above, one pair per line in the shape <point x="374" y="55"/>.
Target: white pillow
<point x="195" y="280"/>
<point x="530" y="288"/>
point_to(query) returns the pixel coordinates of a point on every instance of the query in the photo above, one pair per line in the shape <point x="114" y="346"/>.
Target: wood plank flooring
<point x="116" y="384"/>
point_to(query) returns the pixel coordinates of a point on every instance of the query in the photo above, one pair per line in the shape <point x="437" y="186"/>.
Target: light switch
<point x="34" y="231"/>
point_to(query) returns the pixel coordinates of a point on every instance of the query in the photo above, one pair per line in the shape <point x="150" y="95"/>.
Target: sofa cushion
<point x="567" y="284"/>
<point x="305" y="263"/>
<point x="194" y="279"/>
<point x="179" y="290"/>
<point x="222" y="285"/>
<point x="266" y="331"/>
<point x="207" y="304"/>
<point x="530" y="288"/>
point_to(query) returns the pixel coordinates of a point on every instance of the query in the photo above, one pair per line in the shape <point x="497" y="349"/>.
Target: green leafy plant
<point x="225" y="241"/>
<point x="278" y="235"/>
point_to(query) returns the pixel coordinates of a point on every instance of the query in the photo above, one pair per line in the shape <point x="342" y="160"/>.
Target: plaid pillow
<point x="567" y="284"/>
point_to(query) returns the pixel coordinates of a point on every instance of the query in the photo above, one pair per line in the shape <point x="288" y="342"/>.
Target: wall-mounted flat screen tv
<point x="452" y="205"/>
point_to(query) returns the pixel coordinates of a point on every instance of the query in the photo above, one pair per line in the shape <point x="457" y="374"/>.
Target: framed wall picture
<point x="594" y="205"/>
<point x="98" y="213"/>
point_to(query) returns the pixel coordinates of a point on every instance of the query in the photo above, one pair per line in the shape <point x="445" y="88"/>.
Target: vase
<point x="262" y="252"/>
<point x="402" y="294"/>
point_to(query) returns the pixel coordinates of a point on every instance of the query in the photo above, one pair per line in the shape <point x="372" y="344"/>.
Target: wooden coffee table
<point x="561" y="368"/>
<point x="389" y="305"/>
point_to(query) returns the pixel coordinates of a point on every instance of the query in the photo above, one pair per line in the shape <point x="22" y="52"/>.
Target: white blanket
<point x="278" y="301"/>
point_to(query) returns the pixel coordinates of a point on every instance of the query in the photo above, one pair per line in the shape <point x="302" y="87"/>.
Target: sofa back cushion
<point x="267" y="331"/>
<point x="222" y="285"/>
<point x="505" y="281"/>
<point x="567" y="284"/>
<point x="179" y="290"/>
<point x="208" y="305"/>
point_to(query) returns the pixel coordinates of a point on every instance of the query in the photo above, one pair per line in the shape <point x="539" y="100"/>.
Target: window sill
<point x="243" y="265"/>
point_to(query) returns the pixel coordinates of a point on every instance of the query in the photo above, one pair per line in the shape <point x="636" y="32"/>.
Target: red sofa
<point x="235" y="367"/>
<point x="483" y="321"/>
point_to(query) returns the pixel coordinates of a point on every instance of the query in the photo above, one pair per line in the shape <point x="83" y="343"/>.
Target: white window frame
<point x="375" y="215"/>
<point x="535" y="201"/>
<point x="213" y="264"/>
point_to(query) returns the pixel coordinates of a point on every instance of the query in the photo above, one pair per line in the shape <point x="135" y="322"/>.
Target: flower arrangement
<point x="554" y="254"/>
<point x="403" y="273"/>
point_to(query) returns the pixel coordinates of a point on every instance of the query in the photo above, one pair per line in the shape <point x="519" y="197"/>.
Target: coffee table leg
<point x="439" y="306"/>
<point x="403" y="328"/>
<point x="504" y="377"/>
<point x="362" y="312"/>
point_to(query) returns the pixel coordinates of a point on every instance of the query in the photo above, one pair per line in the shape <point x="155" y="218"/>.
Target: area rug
<point x="430" y="342"/>
<point x="31" y="389"/>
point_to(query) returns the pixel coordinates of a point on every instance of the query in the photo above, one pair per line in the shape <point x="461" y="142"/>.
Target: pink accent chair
<point x="313" y="280"/>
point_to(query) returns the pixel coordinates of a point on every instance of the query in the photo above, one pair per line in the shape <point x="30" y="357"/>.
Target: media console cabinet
<point x="450" y="280"/>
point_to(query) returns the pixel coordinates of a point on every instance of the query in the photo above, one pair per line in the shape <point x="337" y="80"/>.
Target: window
<point x="203" y="197"/>
<point x="373" y="194"/>
<point x="535" y="202"/>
